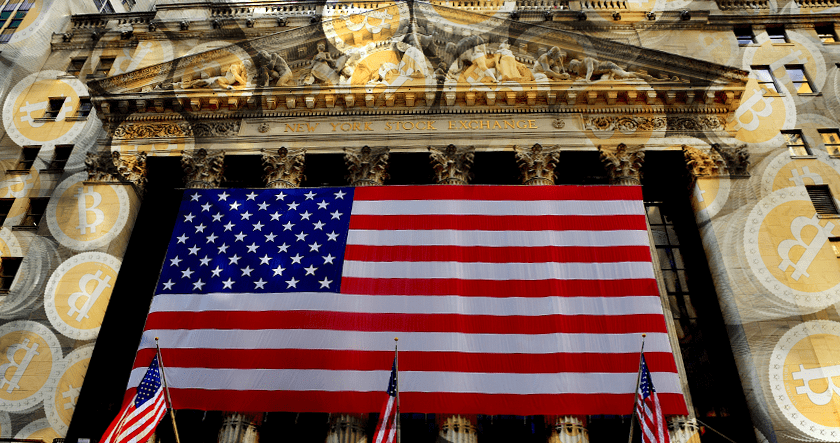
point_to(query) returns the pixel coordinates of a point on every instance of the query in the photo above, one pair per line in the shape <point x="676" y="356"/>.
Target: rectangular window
<point x="27" y="157"/>
<point x="744" y="35"/>
<point x="76" y="65"/>
<point x="104" y="66"/>
<point x="11" y="16"/>
<point x="60" y="157"/>
<point x="831" y="140"/>
<point x="822" y="199"/>
<point x="129" y="4"/>
<point x="84" y="107"/>
<point x="796" y="144"/>
<point x="765" y="78"/>
<point x="54" y="108"/>
<point x="776" y="34"/>
<point x="8" y="269"/>
<point x="800" y="81"/>
<point x="826" y="33"/>
<point x="5" y="207"/>
<point x="37" y="208"/>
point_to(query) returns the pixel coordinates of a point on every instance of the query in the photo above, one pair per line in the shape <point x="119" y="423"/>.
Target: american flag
<point x="648" y="410"/>
<point x="507" y="300"/>
<point x="139" y="417"/>
<point x="386" y="429"/>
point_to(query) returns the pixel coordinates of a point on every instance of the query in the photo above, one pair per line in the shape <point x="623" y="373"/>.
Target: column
<point x="202" y="169"/>
<point x="568" y="429"/>
<point x="623" y="164"/>
<point x="537" y="164"/>
<point x="240" y="427"/>
<point x="452" y="165"/>
<point x="683" y="429"/>
<point x="366" y="166"/>
<point x="347" y="428"/>
<point x="284" y="169"/>
<point x="458" y="429"/>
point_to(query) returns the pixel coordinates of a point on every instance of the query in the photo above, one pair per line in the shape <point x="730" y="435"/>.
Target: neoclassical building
<point x="724" y="113"/>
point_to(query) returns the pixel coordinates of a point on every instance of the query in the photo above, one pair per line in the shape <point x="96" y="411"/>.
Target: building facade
<point x="724" y="112"/>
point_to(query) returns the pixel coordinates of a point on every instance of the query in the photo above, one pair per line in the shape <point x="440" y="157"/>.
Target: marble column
<point x="283" y="169"/>
<point x="623" y="164"/>
<point x="452" y="165"/>
<point x="240" y="427"/>
<point x="458" y="429"/>
<point x="537" y="164"/>
<point x="347" y="428"/>
<point x="683" y="429"/>
<point x="568" y="429"/>
<point x="111" y="167"/>
<point x="366" y="166"/>
<point x="203" y="169"/>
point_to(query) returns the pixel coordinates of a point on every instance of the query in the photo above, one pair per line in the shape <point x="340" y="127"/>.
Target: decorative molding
<point x="113" y="167"/>
<point x="624" y="165"/>
<point x="284" y="169"/>
<point x="367" y="166"/>
<point x="706" y="123"/>
<point x="153" y="130"/>
<point x="625" y="124"/>
<point x="216" y="129"/>
<point x="703" y="163"/>
<point x="452" y="164"/>
<point x="737" y="159"/>
<point x="202" y="169"/>
<point x="537" y="164"/>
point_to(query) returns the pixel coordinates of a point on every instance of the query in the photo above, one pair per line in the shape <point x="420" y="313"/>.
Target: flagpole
<point x="397" y="376"/>
<point x="166" y="390"/>
<point x="636" y="391"/>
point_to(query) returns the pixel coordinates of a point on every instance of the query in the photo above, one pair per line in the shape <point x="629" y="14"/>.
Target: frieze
<point x="217" y="129"/>
<point x="153" y="130"/>
<point x="629" y="124"/>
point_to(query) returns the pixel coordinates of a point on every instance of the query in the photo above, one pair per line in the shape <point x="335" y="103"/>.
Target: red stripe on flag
<point x="496" y="288"/>
<point x="498" y="193"/>
<point x="509" y="254"/>
<point x="500" y="222"/>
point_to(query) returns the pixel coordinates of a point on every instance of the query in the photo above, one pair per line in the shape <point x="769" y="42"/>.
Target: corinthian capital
<point x="624" y="165"/>
<point x="737" y="159"/>
<point x="366" y="166"/>
<point x="113" y="167"/>
<point x="537" y="164"/>
<point x="683" y="430"/>
<point x="703" y="163"/>
<point x="202" y="169"/>
<point x="284" y="169"/>
<point x="452" y="165"/>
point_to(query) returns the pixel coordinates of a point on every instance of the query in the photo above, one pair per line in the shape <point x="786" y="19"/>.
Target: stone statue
<point x="550" y="65"/>
<point x="272" y="68"/>
<point x="588" y="67"/>
<point x="508" y="68"/>
<point x="472" y="50"/>
<point x="322" y="68"/>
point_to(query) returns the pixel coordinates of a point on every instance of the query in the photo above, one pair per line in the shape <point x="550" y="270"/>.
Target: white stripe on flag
<point x="488" y="207"/>
<point x="499" y="271"/>
<point x="497" y="238"/>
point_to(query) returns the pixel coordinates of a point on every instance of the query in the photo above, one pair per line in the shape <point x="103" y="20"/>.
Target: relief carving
<point x="625" y="124"/>
<point x="322" y="68"/>
<point x="367" y="166"/>
<point x="272" y="70"/>
<point x="203" y="170"/>
<point x="112" y="167"/>
<point x="217" y="129"/>
<point x="452" y="165"/>
<point x="737" y="159"/>
<point x="703" y="163"/>
<point x="233" y="76"/>
<point x="537" y="164"/>
<point x="284" y="169"/>
<point x="624" y="165"/>
<point x="151" y="130"/>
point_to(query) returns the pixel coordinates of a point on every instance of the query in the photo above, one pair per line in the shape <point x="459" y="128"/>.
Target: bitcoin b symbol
<point x="101" y="285"/>
<point x="748" y="105"/>
<point x="20" y="368"/>
<point x="808" y="375"/>
<point x="84" y="192"/>
<point x="29" y="109"/>
<point x="811" y="249"/>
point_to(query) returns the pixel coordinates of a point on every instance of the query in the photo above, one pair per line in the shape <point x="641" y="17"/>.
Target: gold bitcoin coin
<point x="60" y="400"/>
<point x="29" y="352"/>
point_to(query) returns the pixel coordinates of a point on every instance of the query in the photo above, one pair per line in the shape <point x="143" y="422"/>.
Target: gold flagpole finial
<point x="644" y="335"/>
<point x="396" y="339"/>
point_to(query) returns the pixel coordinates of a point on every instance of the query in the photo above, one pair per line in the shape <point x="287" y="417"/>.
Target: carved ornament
<point x="737" y="159"/>
<point x="703" y="163"/>
<point x="216" y="129"/>
<point x="537" y="164"/>
<point x="629" y="124"/>
<point x="153" y="130"/>
<point x="202" y="169"/>
<point x="113" y="167"/>
<point x="283" y="169"/>
<point x="366" y="166"/>
<point x="624" y="164"/>
<point x="452" y="165"/>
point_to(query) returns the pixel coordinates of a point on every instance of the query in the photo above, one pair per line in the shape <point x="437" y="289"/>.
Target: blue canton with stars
<point x="149" y="385"/>
<point x="645" y="383"/>
<point x="258" y="241"/>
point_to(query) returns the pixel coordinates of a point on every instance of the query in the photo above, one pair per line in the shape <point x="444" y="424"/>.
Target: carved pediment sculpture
<point x="283" y="169"/>
<point x="703" y="163"/>
<point x="537" y="164"/>
<point x="452" y="164"/>
<point x="624" y="164"/>
<point x="367" y="166"/>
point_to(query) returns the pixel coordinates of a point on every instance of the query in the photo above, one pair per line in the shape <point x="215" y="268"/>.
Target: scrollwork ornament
<point x="452" y="165"/>
<point x="624" y="165"/>
<point x="154" y="130"/>
<point x="283" y="169"/>
<point x="737" y="159"/>
<point x="202" y="169"/>
<point x="537" y="164"/>
<point x="367" y="166"/>
<point x="703" y="163"/>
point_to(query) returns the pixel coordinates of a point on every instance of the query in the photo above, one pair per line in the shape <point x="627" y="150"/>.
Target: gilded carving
<point x="629" y="124"/>
<point x="703" y="163"/>
<point x="367" y="166"/>
<point x="694" y="123"/>
<point x="624" y="164"/>
<point x="452" y="165"/>
<point x="203" y="170"/>
<point x="150" y="130"/>
<point x="569" y="429"/>
<point x="272" y="70"/>
<point x="537" y="164"/>
<point x="112" y="167"/>
<point x="283" y="169"/>
<point x="737" y="159"/>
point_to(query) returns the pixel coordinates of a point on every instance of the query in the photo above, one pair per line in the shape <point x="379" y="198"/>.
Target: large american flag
<point x="506" y="300"/>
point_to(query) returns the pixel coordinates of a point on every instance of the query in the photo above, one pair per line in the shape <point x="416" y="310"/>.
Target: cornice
<point x="788" y="20"/>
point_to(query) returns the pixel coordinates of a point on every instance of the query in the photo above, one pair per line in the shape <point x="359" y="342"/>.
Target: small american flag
<point x="386" y="430"/>
<point x="139" y="417"/>
<point x="651" y="421"/>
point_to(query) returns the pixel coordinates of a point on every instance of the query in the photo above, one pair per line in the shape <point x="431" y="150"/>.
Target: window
<point x="822" y="199"/>
<point x="104" y="6"/>
<point x="835" y="245"/>
<point x="129" y="4"/>
<point x="36" y="210"/>
<point x="60" y="157"/>
<point x="54" y="108"/>
<point x="800" y="81"/>
<point x="776" y="34"/>
<point x="826" y="33"/>
<point x="8" y="269"/>
<point x="104" y="66"/>
<point x="831" y="140"/>
<point x="27" y="157"/>
<point x="11" y="16"/>
<point x="84" y="108"/>
<point x="744" y="35"/>
<point x="765" y="78"/>
<point x="796" y="144"/>
<point x="5" y="207"/>
<point x="76" y="66"/>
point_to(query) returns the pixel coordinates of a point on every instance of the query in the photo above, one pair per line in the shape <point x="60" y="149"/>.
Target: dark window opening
<point x="54" y="108"/>
<point x="5" y="208"/>
<point x="744" y="35"/>
<point x="826" y="33"/>
<point x="777" y="34"/>
<point x="60" y="157"/>
<point x="8" y="269"/>
<point x="822" y="199"/>
<point x="28" y="156"/>
<point x="84" y="108"/>
<point x="104" y="66"/>
<point x="76" y="65"/>
<point x="36" y="210"/>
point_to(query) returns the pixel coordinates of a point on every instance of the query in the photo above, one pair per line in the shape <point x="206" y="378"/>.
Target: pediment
<point x="415" y="52"/>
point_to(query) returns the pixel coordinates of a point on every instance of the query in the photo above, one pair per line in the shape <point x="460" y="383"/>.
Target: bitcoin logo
<point x="785" y="172"/>
<point x="60" y="399"/>
<point x="27" y="105"/>
<point x="145" y="54"/>
<point x="805" y="378"/>
<point x="88" y="216"/>
<point x="78" y="292"/>
<point x="28" y="355"/>
<point x="39" y="430"/>
<point x="709" y="195"/>
<point x="788" y="250"/>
